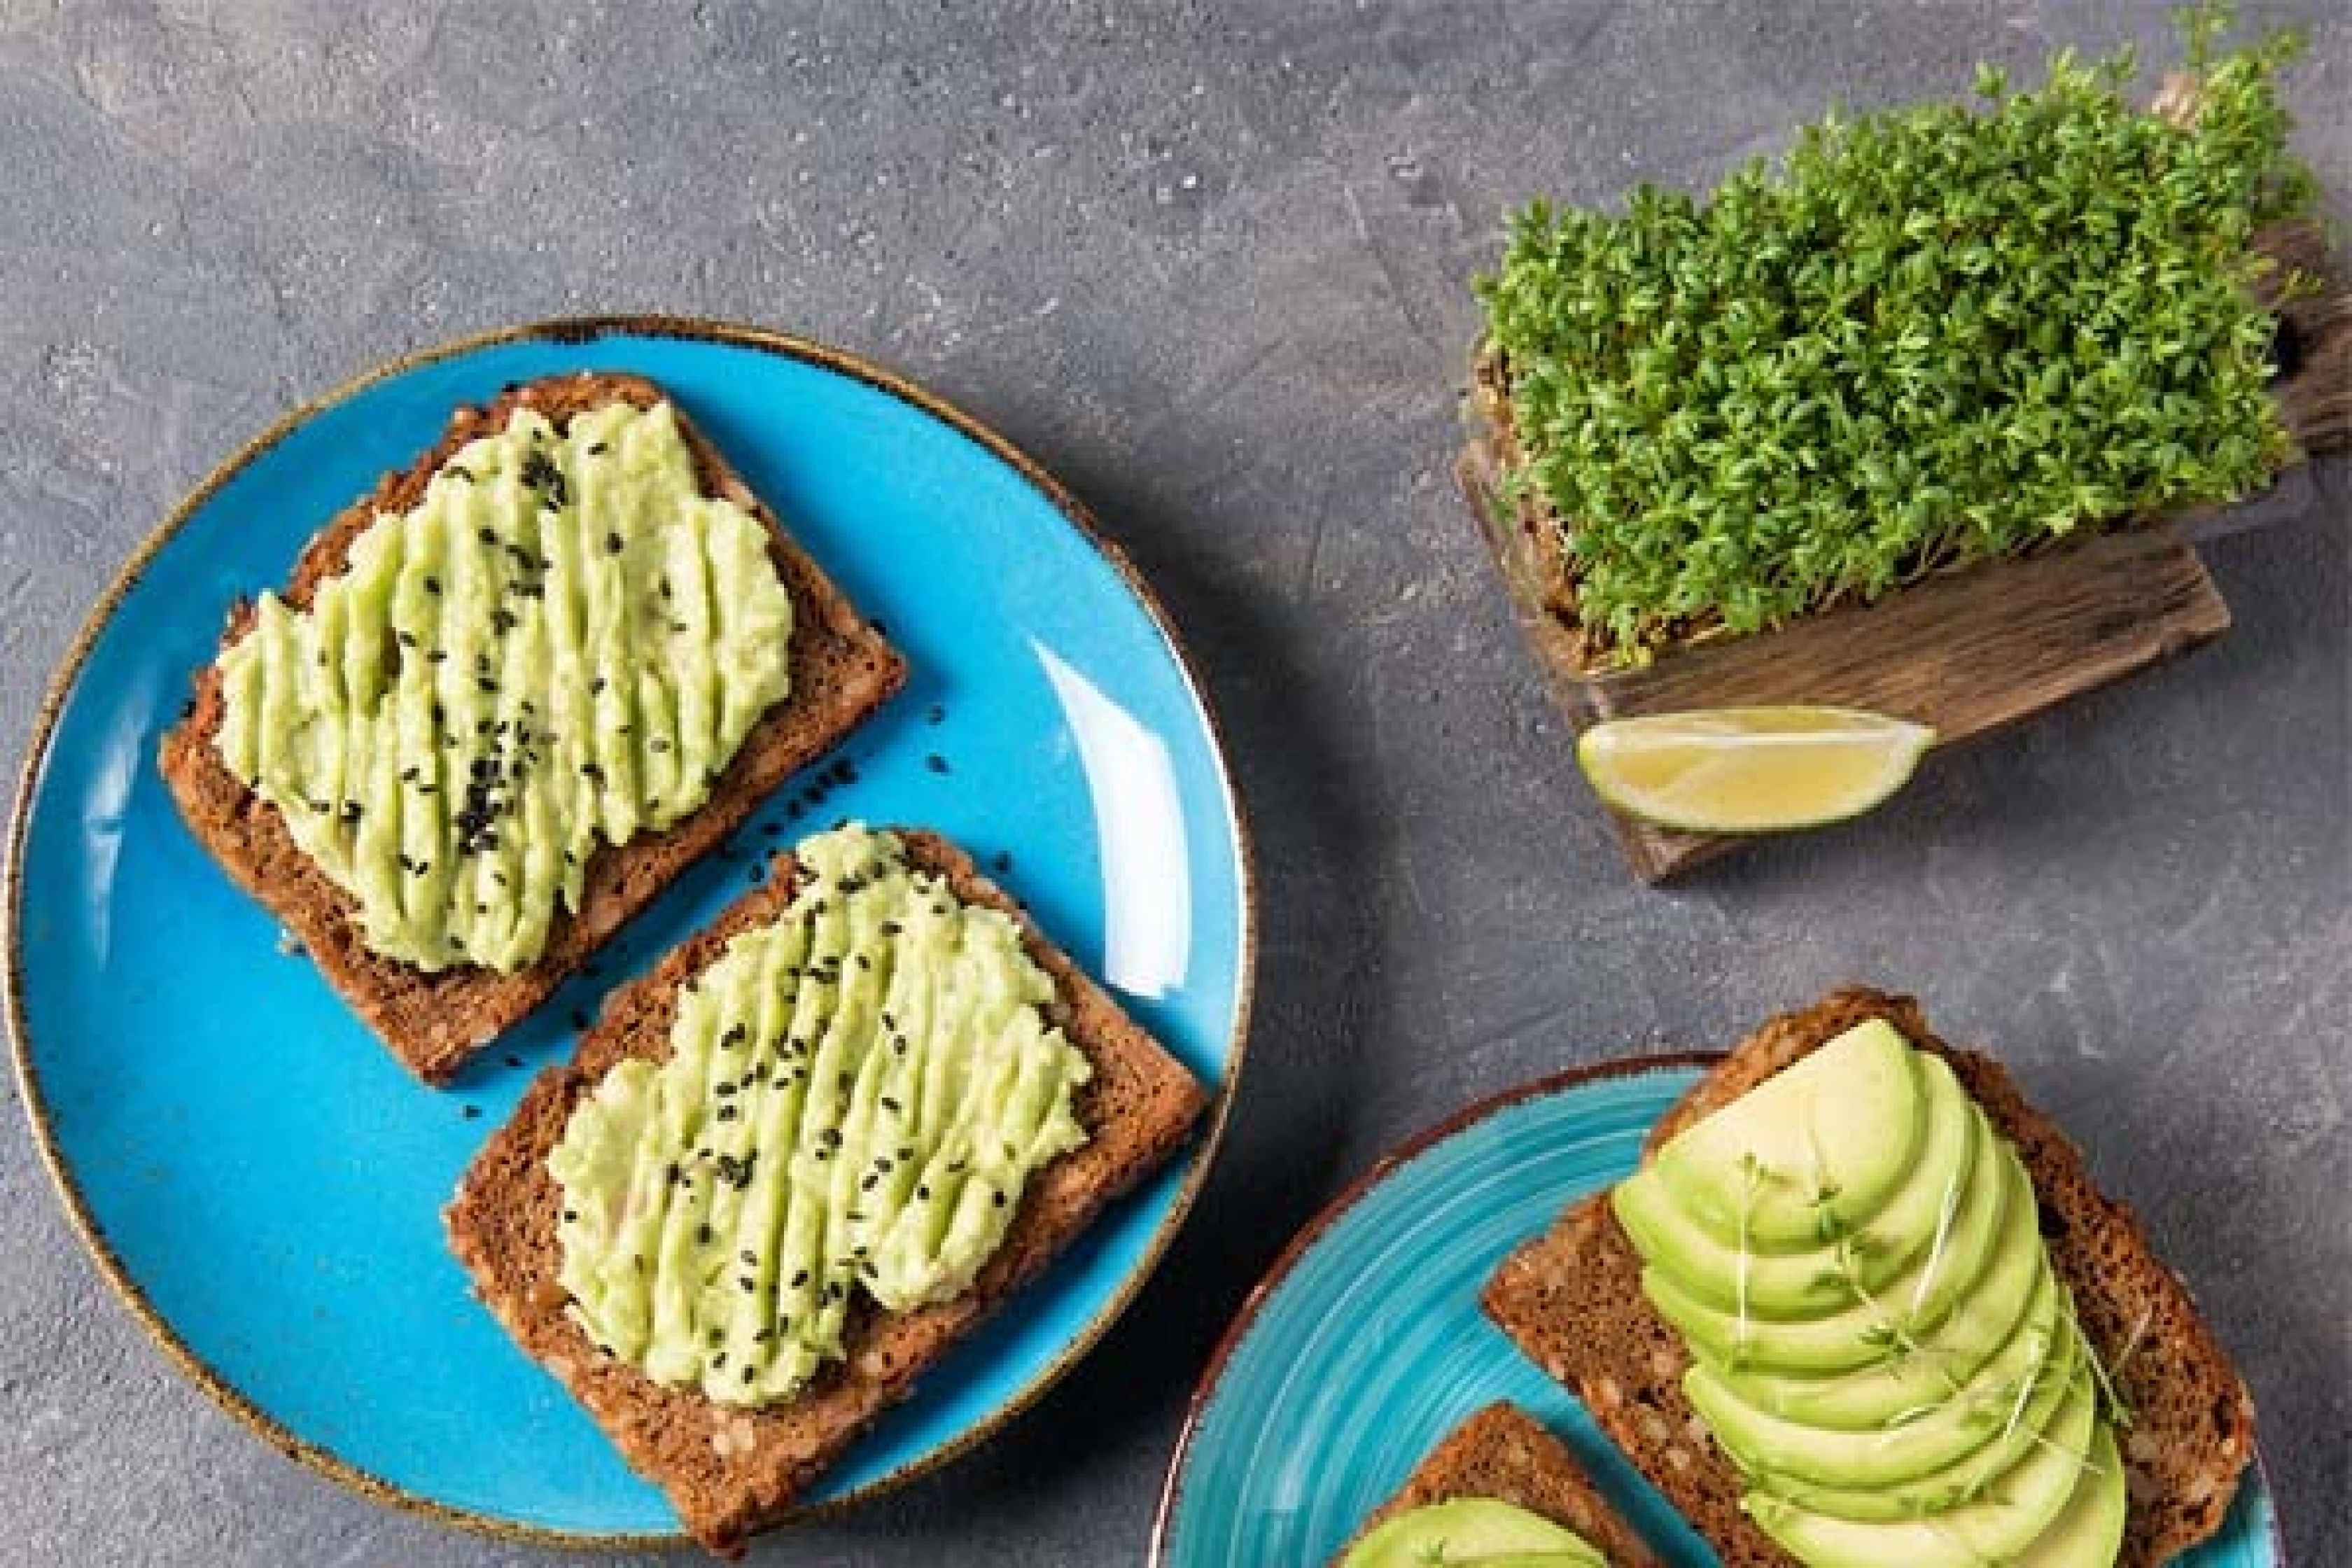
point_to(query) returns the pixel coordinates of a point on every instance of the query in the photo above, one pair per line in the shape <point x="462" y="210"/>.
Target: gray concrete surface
<point x="1210" y="264"/>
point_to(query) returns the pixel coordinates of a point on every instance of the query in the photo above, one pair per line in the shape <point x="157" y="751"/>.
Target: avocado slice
<point x="1984" y="1325"/>
<point x="1918" y="1215"/>
<point x="1969" y="1434"/>
<point x="1972" y="1274"/>
<point x="2089" y="1532"/>
<point x="1995" y="1526"/>
<point x="1470" y="1531"/>
<point x="1830" y="1138"/>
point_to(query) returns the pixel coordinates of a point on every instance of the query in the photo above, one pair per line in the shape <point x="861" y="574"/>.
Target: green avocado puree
<point x="562" y="644"/>
<point x="855" y="1095"/>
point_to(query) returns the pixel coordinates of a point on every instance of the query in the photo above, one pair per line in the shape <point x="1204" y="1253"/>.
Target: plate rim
<point x="1398" y="1155"/>
<point x="573" y="331"/>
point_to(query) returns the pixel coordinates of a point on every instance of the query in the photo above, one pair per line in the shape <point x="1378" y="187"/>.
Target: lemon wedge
<point x="1751" y="770"/>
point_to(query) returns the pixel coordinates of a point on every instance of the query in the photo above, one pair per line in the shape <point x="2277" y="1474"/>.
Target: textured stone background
<point x="1209" y="265"/>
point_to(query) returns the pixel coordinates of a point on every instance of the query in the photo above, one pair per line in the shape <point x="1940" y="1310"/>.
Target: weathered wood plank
<point x="1970" y="652"/>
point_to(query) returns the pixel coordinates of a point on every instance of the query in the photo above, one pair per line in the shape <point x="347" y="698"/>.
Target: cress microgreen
<point x="1927" y="338"/>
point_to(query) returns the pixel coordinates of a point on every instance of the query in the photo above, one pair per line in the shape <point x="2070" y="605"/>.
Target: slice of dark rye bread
<point x="1504" y="1453"/>
<point x="729" y="1472"/>
<point x="842" y="669"/>
<point x="1573" y="1301"/>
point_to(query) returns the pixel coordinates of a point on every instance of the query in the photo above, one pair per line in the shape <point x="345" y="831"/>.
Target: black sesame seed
<point x="470" y="1112"/>
<point x="936" y="763"/>
<point x="539" y="472"/>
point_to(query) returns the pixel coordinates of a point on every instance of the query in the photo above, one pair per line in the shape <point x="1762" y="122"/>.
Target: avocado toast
<point x="735" y="1464"/>
<point x="460" y="765"/>
<point x="1500" y="1455"/>
<point x="1593" y="1305"/>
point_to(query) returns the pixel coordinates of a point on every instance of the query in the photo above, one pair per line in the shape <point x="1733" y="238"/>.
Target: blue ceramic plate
<point x="1365" y="1345"/>
<point x="263" y="1183"/>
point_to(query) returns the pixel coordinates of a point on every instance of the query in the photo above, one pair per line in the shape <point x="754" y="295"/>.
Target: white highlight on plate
<point x="105" y="803"/>
<point x="1147" y="882"/>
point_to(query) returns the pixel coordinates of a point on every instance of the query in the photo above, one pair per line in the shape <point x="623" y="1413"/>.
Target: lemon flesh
<point x="1751" y="770"/>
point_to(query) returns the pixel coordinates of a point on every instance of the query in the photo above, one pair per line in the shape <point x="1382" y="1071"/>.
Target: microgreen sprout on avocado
<point x="1930" y="337"/>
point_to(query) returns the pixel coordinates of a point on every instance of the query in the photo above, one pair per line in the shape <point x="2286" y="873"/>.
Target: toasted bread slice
<point x="842" y="669"/>
<point x="1573" y="1301"/>
<point x="1505" y="1454"/>
<point x="730" y="1472"/>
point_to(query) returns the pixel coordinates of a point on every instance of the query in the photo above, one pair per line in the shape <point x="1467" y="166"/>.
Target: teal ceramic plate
<point x="263" y="1183"/>
<point x="1364" y="1345"/>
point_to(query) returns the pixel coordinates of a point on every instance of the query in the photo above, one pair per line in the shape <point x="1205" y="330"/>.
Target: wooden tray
<point x="1969" y="651"/>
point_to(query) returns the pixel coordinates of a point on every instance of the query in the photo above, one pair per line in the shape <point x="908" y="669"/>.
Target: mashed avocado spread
<point x="562" y="642"/>
<point x="856" y="1094"/>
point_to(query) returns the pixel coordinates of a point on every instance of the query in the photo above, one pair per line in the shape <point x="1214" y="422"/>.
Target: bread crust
<point x="842" y="669"/>
<point x="1572" y="1299"/>
<point x="1502" y="1452"/>
<point x="733" y="1472"/>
